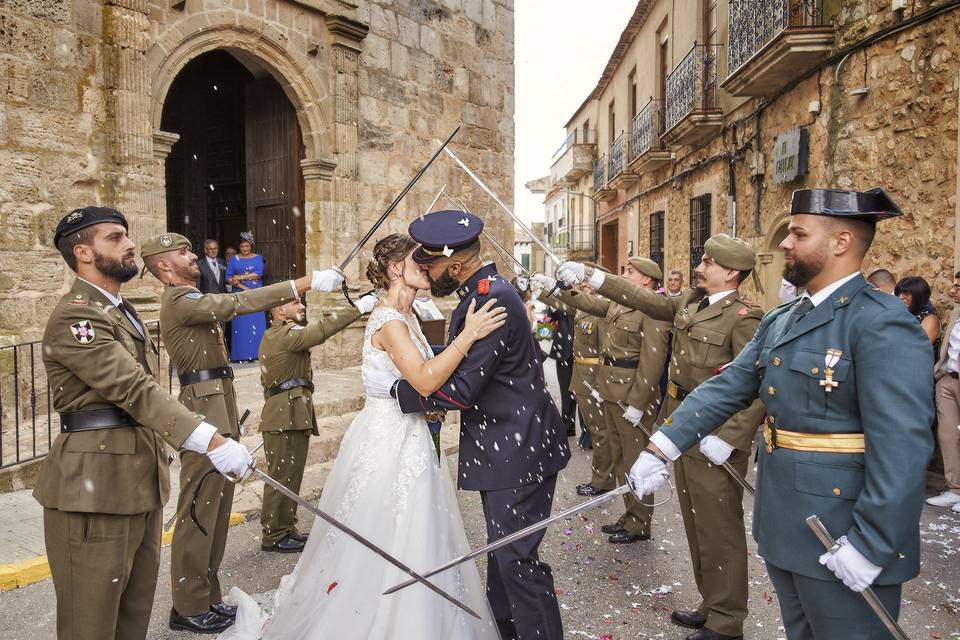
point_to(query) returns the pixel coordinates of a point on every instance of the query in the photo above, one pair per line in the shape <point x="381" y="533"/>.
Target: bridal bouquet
<point x="434" y="425"/>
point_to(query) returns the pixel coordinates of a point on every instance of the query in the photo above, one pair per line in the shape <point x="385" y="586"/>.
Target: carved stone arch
<point x="770" y="260"/>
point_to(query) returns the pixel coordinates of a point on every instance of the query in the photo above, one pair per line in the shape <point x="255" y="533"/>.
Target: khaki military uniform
<point x="288" y="418"/>
<point x="711" y="502"/>
<point x="190" y="322"/>
<point x="103" y="490"/>
<point x="634" y="351"/>
<point x="587" y="331"/>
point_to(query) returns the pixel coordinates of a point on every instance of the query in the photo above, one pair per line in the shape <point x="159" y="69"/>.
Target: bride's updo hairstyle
<point x="391" y="249"/>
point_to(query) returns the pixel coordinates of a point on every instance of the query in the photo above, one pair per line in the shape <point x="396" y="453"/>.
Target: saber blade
<point x="818" y="528"/>
<point x="517" y="535"/>
<point x="359" y="538"/>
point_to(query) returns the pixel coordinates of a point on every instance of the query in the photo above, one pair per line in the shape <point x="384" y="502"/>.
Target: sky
<point x="561" y="48"/>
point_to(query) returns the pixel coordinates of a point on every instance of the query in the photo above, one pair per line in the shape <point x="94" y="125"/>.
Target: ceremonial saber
<point x="393" y="205"/>
<point x="517" y="535"/>
<point x="868" y="594"/>
<point x="726" y="463"/>
<point x="356" y="536"/>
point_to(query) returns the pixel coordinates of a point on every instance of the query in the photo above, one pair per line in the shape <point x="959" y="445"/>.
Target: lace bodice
<point x="379" y="359"/>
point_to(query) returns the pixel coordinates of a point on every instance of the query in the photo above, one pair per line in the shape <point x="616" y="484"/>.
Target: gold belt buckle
<point x="769" y="437"/>
<point x="672" y="390"/>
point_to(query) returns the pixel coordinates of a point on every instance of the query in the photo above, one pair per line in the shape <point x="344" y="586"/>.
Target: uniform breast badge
<point x="829" y="362"/>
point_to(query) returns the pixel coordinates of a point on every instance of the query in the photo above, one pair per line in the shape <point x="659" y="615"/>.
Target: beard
<point x="444" y="285"/>
<point x="803" y="270"/>
<point x="190" y="273"/>
<point x="115" y="269"/>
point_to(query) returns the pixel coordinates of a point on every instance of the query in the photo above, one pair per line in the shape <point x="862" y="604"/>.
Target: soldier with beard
<point x="288" y="418"/>
<point x="106" y="479"/>
<point x="190" y="322"/>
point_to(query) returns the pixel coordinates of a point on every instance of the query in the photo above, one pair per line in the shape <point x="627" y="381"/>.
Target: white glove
<point x="715" y="449"/>
<point x="542" y="281"/>
<point x="326" y="280"/>
<point x="366" y="302"/>
<point x="233" y="458"/>
<point x="850" y="566"/>
<point x="377" y="382"/>
<point x="633" y="415"/>
<point x="648" y="473"/>
<point x="571" y="273"/>
<point x="596" y="396"/>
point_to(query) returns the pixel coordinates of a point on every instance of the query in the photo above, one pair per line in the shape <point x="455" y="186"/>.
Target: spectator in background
<point x="674" y="283"/>
<point x="883" y="280"/>
<point x="245" y="271"/>
<point x="947" y="374"/>
<point x="228" y="253"/>
<point x="915" y="293"/>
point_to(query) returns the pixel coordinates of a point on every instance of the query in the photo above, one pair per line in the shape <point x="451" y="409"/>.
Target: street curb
<point x="15" y="575"/>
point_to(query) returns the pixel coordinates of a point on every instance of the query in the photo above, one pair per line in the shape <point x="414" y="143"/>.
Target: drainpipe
<point x="731" y="197"/>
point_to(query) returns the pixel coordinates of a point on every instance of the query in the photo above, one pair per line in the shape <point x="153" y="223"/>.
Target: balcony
<point x="646" y="151"/>
<point x="618" y="177"/>
<point x="581" y="242"/>
<point x="559" y="241"/>
<point x="601" y="190"/>
<point x="691" y="112"/>
<point x="574" y="158"/>
<point x="772" y="42"/>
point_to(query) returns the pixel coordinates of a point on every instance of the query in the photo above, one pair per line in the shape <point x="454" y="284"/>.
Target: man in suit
<point x="847" y="435"/>
<point x="512" y="439"/>
<point x="212" y="269"/>
<point x="105" y="481"/>
<point x="711" y="324"/>
<point x="947" y="375"/>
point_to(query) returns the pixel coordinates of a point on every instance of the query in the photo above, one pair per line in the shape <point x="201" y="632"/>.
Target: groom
<point x="512" y="439"/>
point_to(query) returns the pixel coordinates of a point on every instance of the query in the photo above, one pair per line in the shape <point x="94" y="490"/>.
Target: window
<point x="699" y="230"/>
<point x="611" y="123"/>
<point x="586" y="132"/>
<point x="560" y="223"/>
<point x="656" y="238"/>
<point x="632" y="88"/>
<point x="525" y="261"/>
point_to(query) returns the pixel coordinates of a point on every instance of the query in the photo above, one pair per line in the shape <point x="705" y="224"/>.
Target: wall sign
<point x="790" y="154"/>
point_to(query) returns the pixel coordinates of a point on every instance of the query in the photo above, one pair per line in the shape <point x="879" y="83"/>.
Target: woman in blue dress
<point x="245" y="271"/>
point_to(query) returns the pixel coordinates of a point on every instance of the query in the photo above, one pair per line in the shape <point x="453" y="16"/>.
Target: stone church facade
<point x="297" y="119"/>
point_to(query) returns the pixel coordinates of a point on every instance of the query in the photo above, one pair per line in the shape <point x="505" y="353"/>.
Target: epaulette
<point x="885" y="300"/>
<point x="79" y="300"/>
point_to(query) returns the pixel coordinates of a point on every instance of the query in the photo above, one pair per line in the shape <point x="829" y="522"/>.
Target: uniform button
<point x="836" y="491"/>
<point x="771" y="391"/>
<point x="103" y="445"/>
<point x="682" y="352"/>
<point x="777" y="361"/>
<point x="704" y="338"/>
<point x="815" y="370"/>
<point x="771" y="420"/>
<point x="166" y="433"/>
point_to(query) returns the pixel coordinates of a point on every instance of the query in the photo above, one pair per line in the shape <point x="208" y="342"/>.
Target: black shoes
<point x="625" y="537"/>
<point x="206" y="622"/>
<point x="286" y="545"/>
<point x="224" y="609"/>
<point x="587" y="489"/>
<point x="302" y="537"/>
<point x="685" y="618"/>
<point x="707" y="634"/>
<point x="613" y="527"/>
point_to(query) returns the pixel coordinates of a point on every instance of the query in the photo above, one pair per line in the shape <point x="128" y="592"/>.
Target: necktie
<point x="801" y="309"/>
<point x="216" y="271"/>
<point x="704" y="303"/>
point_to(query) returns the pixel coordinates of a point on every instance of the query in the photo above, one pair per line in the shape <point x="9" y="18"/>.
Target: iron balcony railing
<point x="692" y="85"/>
<point x="615" y="166"/>
<point x="599" y="173"/>
<point x="581" y="237"/>
<point x="577" y="136"/>
<point x="559" y="240"/>
<point x="646" y="129"/>
<point x="754" y="23"/>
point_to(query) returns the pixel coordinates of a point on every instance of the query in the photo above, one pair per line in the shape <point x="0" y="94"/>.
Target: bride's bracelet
<point x="457" y="347"/>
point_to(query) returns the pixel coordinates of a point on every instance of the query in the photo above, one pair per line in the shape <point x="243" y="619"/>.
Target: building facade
<point x="709" y="113"/>
<point x="297" y="119"/>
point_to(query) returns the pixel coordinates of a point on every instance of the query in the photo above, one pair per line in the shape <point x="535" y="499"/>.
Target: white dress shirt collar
<point x="824" y="293"/>
<point x="117" y="301"/>
<point x="720" y="295"/>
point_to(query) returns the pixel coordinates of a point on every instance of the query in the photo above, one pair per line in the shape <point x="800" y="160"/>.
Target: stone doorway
<point x="771" y="260"/>
<point x="236" y="165"/>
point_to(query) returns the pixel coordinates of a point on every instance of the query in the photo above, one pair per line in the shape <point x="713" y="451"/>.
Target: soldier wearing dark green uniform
<point x="846" y="376"/>
<point x="587" y="331"/>
<point x="288" y="418"/>
<point x="634" y="351"/>
<point x="711" y="324"/>
<point x="190" y="322"/>
<point x="105" y="481"/>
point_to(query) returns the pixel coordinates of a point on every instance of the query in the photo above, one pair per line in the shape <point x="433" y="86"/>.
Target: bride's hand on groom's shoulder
<point x="480" y="323"/>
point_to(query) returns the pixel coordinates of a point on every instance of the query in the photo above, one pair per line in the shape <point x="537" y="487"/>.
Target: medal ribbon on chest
<point x="829" y="362"/>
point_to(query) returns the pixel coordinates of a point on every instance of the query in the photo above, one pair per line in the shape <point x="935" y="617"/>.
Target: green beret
<point x="163" y="243"/>
<point x="647" y="267"/>
<point x="730" y="252"/>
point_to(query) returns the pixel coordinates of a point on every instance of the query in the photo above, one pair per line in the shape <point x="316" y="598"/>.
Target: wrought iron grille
<point x="656" y="238"/>
<point x="599" y="179"/>
<point x="560" y="240"/>
<point x="581" y="237"/>
<point x="699" y="230"/>
<point x="646" y="129"/>
<point x="692" y="85"/>
<point x="754" y="23"/>
<point x="616" y="157"/>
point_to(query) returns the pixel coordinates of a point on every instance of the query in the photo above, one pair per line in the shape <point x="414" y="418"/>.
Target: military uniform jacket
<point x="511" y="433"/>
<point x="190" y="324"/>
<point x="885" y="391"/>
<point x="627" y="335"/>
<point x="587" y="329"/>
<point x="703" y="343"/>
<point x="96" y="359"/>
<point x="285" y="355"/>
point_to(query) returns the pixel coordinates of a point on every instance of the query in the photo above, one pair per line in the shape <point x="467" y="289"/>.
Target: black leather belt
<point x="92" y="419"/>
<point x="623" y="363"/>
<point x="217" y="373"/>
<point x="954" y="374"/>
<point x="291" y="384"/>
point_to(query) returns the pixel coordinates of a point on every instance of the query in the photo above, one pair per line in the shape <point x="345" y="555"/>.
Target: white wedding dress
<point x="388" y="486"/>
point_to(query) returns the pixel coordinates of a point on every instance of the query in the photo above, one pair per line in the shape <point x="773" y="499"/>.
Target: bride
<point x="388" y="485"/>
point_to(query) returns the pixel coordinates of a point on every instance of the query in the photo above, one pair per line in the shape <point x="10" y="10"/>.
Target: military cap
<point x="161" y="244"/>
<point x="730" y="252"/>
<point x="871" y="205"/>
<point x="441" y="233"/>
<point x="647" y="267"/>
<point x="86" y="217"/>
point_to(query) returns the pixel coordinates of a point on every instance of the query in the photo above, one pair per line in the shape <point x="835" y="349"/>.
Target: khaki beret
<point x="161" y="244"/>
<point x="647" y="267"/>
<point x="730" y="252"/>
